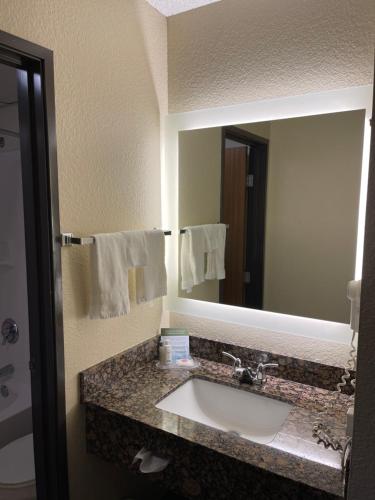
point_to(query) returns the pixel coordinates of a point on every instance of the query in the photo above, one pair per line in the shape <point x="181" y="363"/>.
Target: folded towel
<point x="151" y="280"/>
<point x="193" y="249"/>
<point x="111" y="257"/>
<point x="215" y="235"/>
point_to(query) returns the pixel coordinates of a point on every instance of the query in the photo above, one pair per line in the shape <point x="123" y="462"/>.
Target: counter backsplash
<point x="299" y="370"/>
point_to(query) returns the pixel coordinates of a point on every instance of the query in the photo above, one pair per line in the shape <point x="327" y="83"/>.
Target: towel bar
<point x="68" y="239"/>
<point x="183" y="231"/>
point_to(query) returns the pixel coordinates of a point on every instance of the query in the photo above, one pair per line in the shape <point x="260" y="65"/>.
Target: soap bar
<point x="186" y="363"/>
<point x="349" y="421"/>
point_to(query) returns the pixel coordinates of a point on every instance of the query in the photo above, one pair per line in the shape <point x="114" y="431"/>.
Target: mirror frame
<point x="349" y="99"/>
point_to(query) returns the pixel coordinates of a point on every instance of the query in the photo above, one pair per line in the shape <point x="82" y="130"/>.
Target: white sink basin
<point x="251" y="416"/>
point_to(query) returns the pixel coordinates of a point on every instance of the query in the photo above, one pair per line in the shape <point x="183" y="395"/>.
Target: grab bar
<point x="183" y="231"/>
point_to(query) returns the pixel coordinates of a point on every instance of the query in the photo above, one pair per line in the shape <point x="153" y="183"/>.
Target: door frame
<point x="253" y="256"/>
<point x="42" y="231"/>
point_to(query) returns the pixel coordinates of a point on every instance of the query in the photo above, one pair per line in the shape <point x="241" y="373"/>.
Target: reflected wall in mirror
<point x="288" y="192"/>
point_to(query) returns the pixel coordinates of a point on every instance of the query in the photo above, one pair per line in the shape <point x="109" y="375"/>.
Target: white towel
<point x="151" y="280"/>
<point x="193" y="249"/>
<point x="196" y="242"/>
<point x="111" y="257"/>
<point x="215" y="235"/>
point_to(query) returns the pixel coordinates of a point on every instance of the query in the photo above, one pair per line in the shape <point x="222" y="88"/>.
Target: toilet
<point x="17" y="471"/>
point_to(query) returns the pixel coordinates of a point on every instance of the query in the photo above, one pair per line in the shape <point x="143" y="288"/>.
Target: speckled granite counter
<point x="120" y="396"/>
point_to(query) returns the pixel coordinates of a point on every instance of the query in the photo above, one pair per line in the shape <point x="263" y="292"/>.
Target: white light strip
<point x="363" y="199"/>
<point x="274" y="109"/>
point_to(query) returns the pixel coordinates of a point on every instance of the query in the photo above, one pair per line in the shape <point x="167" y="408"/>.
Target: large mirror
<point x="285" y="193"/>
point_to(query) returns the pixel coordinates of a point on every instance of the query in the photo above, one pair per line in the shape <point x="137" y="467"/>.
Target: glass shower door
<point x="17" y="471"/>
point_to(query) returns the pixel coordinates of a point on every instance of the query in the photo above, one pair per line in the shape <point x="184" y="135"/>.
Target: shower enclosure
<point x="32" y="400"/>
<point x="15" y="383"/>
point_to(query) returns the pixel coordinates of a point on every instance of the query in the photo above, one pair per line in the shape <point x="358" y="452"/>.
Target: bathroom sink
<point x="235" y="411"/>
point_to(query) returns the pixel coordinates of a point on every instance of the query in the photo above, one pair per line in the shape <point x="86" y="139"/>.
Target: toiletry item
<point x="168" y="351"/>
<point x="181" y="364"/>
<point x="165" y="352"/>
<point x="186" y="363"/>
<point x="178" y="339"/>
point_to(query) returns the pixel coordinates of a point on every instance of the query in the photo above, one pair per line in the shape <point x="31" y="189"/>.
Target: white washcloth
<point x="111" y="257"/>
<point x="215" y="235"/>
<point x="193" y="249"/>
<point x="354" y="294"/>
<point x="151" y="280"/>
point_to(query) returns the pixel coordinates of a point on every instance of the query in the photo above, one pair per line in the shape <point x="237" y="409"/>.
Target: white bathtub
<point x="16" y="430"/>
<point x="19" y="398"/>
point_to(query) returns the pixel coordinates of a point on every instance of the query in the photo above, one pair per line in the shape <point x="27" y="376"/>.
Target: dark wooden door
<point x="243" y="209"/>
<point x="255" y="226"/>
<point x="234" y="215"/>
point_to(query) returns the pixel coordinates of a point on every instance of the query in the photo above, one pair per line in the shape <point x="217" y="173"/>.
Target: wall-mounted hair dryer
<point x="354" y="295"/>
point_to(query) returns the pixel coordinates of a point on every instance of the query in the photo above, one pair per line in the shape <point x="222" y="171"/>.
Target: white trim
<point x="274" y="109"/>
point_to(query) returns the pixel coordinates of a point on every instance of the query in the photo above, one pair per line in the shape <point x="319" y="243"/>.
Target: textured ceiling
<point x="172" y="7"/>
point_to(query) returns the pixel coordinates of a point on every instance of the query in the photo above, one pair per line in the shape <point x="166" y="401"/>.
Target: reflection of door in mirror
<point x="243" y="194"/>
<point x="289" y="192"/>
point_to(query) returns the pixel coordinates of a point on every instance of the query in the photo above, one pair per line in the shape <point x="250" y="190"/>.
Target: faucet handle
<point x="236" y="361"/>
<point x="261" y="370"/>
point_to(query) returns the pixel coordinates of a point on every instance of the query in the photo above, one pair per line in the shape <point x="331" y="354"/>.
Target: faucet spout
<point x="247" y="375"/>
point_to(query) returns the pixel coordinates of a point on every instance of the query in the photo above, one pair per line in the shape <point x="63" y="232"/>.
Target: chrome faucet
<point x="247" y="375"/>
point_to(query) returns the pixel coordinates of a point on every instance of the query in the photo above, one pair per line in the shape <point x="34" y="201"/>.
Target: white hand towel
<point x="151" y="280"/>
<point x="216" y="235"/>
<point x="193" y="249"/>
<point x="187" y="281"/>
<point x="111" y="257"/>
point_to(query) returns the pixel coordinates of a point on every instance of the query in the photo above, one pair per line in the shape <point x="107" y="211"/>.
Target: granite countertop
<point x="293" y="453"/>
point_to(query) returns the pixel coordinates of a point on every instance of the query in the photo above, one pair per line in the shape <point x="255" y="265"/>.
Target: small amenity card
<point x="179" y="341"/>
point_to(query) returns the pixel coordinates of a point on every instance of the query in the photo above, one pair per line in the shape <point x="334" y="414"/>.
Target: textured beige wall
<point x="199" y="155"/>
<point x="314" y="173"/>
<point x="111" y="86"/>
<point x="199" y="162"/>
<point x="236" y="51"/>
